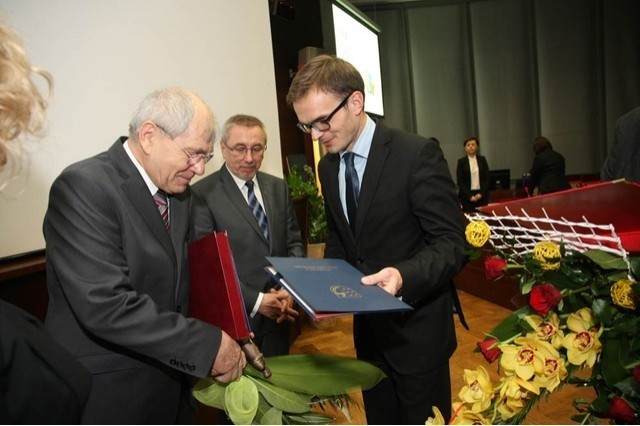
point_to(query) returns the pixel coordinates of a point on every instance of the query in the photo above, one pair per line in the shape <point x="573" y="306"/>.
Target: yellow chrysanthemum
<point x="477" y="233"/>
<point x="547" y="329"/>
<point x="437" y="418"/>
<point x="547" y="253"/>
<point x="522" y="359"/>
<point x="463" y="416"/>
<point x="622" y="294"/>
<point x="583" y="345"/>
<point x="478" y="391"/>
<point x="555" y="370"/>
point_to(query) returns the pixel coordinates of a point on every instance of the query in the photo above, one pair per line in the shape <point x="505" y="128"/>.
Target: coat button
<point x="359" y="260"/>
<point x="178" y="309"/>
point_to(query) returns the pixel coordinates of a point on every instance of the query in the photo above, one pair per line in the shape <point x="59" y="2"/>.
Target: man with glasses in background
<point x="256" y="211"/>
<point x="117" y="229"/>
<point x="392" y="212"/>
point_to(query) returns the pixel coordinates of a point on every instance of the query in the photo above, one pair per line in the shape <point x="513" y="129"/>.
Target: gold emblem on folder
<point x="343" y="292"/>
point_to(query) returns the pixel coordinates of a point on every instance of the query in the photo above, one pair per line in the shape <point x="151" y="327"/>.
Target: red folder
<point x="215" y="295"/>
<point x="615" y="202"/>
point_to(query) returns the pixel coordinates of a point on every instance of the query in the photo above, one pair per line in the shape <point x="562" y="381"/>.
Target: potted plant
<point x="304" y="184"/>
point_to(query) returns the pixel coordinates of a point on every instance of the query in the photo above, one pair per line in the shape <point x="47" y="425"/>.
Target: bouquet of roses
<point x="582" y="314"/>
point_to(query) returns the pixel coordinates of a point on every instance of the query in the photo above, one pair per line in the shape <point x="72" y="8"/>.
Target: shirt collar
<point x="152" y="187"/>
<point x="363" y="143"/>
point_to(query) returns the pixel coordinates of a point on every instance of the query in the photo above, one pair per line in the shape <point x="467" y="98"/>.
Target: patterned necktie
<point x="162" y="203"/>
<point x="352" y="187"/>
<point x="257" y="211"/>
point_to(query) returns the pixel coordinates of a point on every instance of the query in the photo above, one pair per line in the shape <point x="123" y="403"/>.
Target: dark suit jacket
<point x="463" y="172"/>
<point x="118" y="291"/>
<point x="408" y="217"/>
<point x="623" y="160"/>
<point x="220" y="205"/>
<point x="40" y="382"/>
<point x="548" y="172"/>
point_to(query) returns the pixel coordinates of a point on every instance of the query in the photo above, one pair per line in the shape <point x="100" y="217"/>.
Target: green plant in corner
<point x="305" y="184"/>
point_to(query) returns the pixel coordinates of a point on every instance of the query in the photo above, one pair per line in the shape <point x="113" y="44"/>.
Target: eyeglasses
<point x="242" y="150"/>
<point x="323" y="125"/>
<point x="193" y="159"/>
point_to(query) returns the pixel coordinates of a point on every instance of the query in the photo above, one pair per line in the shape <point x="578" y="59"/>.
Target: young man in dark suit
<point x="393" y="215"/>
<point x="222" y="203"/>
<point x="117" y="267"/>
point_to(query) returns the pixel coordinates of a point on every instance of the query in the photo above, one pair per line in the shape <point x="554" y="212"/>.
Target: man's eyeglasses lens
<point x="193" y="158"/>
<point x="323" y="125"/>
<point x="242" y="150"/>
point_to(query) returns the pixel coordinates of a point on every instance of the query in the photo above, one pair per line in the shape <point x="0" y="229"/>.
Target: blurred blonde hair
<point x="22" y="105"/>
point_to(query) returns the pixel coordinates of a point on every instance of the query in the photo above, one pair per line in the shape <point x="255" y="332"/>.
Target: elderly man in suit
<point x="392" y="213"/>
<point x="116" y="230"/>
<point x="229" y="200"/>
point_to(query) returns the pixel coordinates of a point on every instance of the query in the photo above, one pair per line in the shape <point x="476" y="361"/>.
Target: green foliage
<point x="304" y="184"/>
<point x="288" y="396"/>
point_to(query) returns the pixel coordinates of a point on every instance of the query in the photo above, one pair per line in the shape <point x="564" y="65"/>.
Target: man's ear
<point x="356" y="102"/>
<point x="147" y="135"/>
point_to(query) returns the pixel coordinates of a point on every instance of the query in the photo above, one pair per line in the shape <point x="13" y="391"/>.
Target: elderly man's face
<point x="173" y="162"/>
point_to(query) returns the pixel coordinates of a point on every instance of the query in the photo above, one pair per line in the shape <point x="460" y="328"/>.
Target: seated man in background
<point x="548" y="169"/>
<point x="229" y="200"/>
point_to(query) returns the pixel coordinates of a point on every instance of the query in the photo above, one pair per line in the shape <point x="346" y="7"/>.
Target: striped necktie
<point x="162" y="203"/>
<point x="257" y="210"/>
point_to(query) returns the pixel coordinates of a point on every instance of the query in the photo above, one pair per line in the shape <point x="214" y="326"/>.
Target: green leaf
<point x="606" y="260"/>
<point x="309" y="419"/>
<point x="526" y="286"/>
<point x="509" y="326"/>
<point x="319" y="374"/>
<point x="635" y="265"/>
<point x="263" y="408"/>
<point x="272" y="417"/>
<point x="282" y="399"/>
<point x="210" y="393"/>
<point x="602" y="310"/>
<point x="612" y="360"/>
<point x="241" y="400"/>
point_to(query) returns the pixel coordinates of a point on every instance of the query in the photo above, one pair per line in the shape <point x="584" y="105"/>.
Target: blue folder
<point x="328" y="287"/>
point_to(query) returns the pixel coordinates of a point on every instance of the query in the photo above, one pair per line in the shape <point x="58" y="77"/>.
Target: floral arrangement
<point x="296" y="392"/>
<point x="581" y="317"/>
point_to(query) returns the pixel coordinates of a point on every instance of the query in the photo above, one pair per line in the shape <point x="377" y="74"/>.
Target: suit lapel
<point x="332" y="198"/>
<point x="135" y="189"/>
<point x="375" y="163"/>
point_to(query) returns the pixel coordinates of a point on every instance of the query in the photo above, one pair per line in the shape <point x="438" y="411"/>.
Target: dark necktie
<point x="162" y="203"/>
<point x="257" y="210"/>
<point x="352" y="187"/>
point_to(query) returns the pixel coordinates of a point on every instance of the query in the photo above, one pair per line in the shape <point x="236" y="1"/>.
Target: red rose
<point x="636" y="372"/>
<point x="489" y="349"/>
<point x="620" y="410"/>
<point x="544" y="297"/>
<point x="494" y="267"/>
